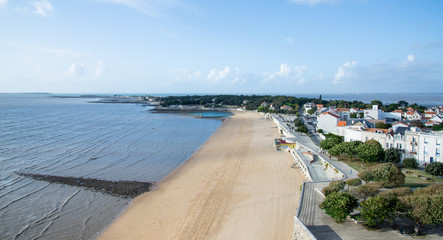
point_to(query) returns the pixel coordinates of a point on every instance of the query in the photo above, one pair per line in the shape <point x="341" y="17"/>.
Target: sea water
<point x="44" y="134"/>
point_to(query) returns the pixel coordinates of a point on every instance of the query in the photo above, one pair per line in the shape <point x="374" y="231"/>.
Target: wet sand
<point x="236" y="186"/>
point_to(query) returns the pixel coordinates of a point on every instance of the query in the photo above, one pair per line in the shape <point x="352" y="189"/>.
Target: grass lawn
<point x="411" y="180"/>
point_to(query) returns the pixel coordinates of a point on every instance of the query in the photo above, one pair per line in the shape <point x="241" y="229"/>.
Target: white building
<point x="426" y="147"/>
<point x="328" y="121"/>
<point x="373" y="113"/>
<point x="308" y="106"/>
<point x="412" y="116"/>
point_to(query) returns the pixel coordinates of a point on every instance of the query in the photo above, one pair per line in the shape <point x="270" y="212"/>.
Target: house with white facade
<point x="328" y="121"/>
<point x="308" y="106"/>
<point x="426" y="147"/>
<point x="344" y="113"/>
<point x="412" y="115"/>
<point x="373" y="113"/>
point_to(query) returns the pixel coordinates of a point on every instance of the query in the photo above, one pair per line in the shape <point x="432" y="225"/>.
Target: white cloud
<point x="100" y="67"/>
<point x="285" y="70"/>
<point x="288" y="73"/>
<point x="76" y="70"/>
<point x="42" y="7"/>
<point x="312" y="2"/>
<point x="345" y="71"/>
<point x="388" y="77"/>
<point x="215" y="75"/>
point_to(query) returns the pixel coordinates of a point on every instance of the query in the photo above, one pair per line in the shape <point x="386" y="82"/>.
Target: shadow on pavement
<point x="324" y="232"/>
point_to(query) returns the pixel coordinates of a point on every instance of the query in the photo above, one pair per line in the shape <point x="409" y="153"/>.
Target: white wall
<point x="327" y="122"/>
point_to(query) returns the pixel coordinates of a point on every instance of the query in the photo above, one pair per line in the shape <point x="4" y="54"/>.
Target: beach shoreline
<point x="248" y="191"/>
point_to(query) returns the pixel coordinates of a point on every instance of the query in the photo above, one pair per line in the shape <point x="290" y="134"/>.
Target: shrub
<point x="435" y="168"/>
<point x="354" y="182"/>
<point x="424" y="206"/>
<point x="366" y="190"/>
<point x="377" y="209"/>
<point x="339" y="205"/>
<point x="392" y="155"/>
<point x="410" y="163"/>
<point x="396" y="192"/>
<point x="334" y="186"/>
<point x="434" y="189"/>
<point x="388" y="174"/>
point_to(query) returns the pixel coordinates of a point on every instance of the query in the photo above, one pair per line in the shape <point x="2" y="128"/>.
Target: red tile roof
<point x="377" y="130"/>
<point x="341" y="124"/>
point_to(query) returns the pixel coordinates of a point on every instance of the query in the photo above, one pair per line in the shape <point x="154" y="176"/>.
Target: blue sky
<point x="180" y="46"/>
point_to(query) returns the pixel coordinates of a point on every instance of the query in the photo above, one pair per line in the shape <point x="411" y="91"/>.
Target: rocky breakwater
<point x="129" y="189"/>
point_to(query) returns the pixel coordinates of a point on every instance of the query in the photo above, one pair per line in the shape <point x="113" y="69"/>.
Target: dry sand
<point x="236" y="186"/>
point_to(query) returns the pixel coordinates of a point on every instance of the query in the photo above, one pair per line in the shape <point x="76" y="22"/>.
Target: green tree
<point x="337" y="150"/>
<point x="298" y="122"/>
<point x="369" y="152"/>
<point x="382" y="125"/>
<point x="403" y="103"/>
<point x="392" y="155"/>
<point x="410" y="163"/>
<point x="302" y="129"/>
<point x="388" y="174"/>
<point x="377" y="102"/>
<point x="377" y="209"/>
<point x="339" y="205"/>
<point x="312" y="111"/>
<point x="350" y="148"/>
<point x="261" y="109"/>
<point x="424" y="206"/>
<point x="329" y="143"/>
<point x="438" y="127"/>
<point x="435" y="168"/>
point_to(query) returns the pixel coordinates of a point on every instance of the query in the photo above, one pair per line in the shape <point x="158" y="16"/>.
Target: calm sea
<point x="425" y="99"/>
<point x="70" y="137"/>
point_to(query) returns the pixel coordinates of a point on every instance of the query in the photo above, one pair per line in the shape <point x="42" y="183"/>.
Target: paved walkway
<point x="315" y="169"/>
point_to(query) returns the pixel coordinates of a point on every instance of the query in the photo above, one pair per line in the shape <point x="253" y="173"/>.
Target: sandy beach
<point x="236" y="186"/>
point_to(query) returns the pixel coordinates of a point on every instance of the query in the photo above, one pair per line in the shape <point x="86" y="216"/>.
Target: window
<point x="437" y="141"/>
<point x="426" y="140"/>
<point x="437" y="152"/>
<point x="425" y="152"/>
<point x="387" y="145"/>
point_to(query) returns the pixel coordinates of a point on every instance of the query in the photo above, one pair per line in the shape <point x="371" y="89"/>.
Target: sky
<point x="237" y="47"/>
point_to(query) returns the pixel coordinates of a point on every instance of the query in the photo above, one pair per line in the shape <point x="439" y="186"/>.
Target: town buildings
<point x="423" y="145"/>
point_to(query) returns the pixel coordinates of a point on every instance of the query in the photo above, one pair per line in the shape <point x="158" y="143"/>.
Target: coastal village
<point x="407" y="130"/>
<point x="407" y="133"/>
